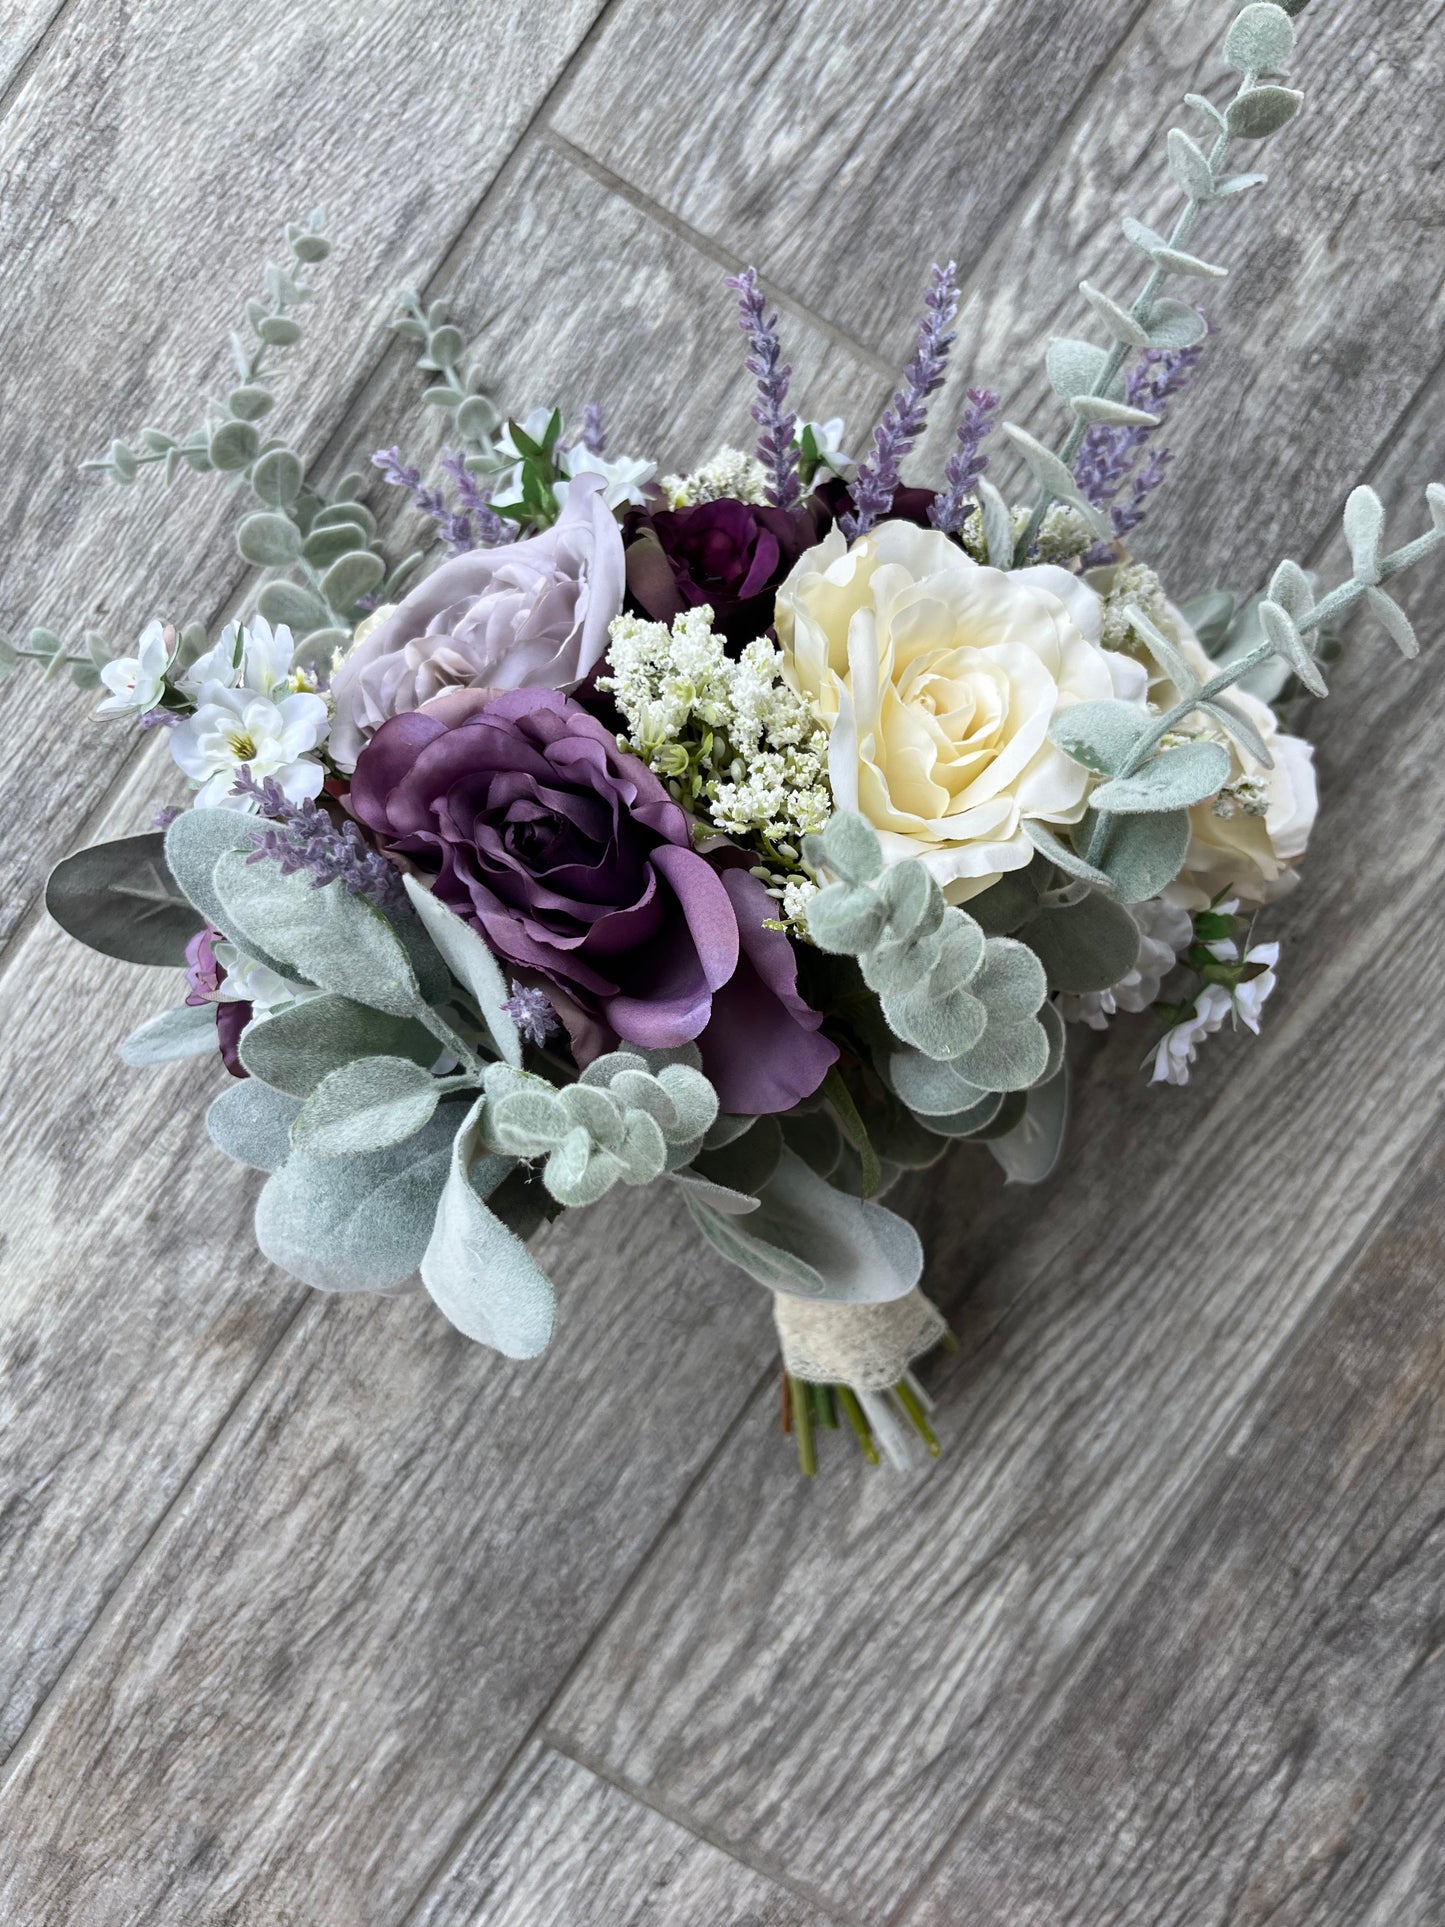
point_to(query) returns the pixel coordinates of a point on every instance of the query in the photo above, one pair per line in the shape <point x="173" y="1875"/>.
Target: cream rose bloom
<point x="937" y="679"/>
<point x="1249" y="838"/>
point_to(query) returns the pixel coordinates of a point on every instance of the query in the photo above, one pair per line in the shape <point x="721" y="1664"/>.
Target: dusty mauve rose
<point x="530" y="615"/>
<point x="579" y="870"/>
<point x="731" y="555"/>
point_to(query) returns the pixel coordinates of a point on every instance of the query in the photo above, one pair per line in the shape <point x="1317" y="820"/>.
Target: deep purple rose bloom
<point x="204" y="977"/>
<point x="729" y="554"/>
<point x="578" y="869"/>
<point x="833" y="499"/>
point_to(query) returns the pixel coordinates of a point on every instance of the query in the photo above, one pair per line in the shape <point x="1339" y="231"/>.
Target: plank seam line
<point x="1002" y="223"/>
<point x="1075" y="1662"/>
<point x="538" y="1728"/>
<point x="709" y="1837"/>
<point x="712" y="249"/>
<point x="13" y="1765"/>
<point x="52" y="28"/>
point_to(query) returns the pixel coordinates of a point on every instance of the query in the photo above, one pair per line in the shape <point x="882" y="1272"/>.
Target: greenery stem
<point x="803" y="1427"/>
<point x="857" y="1418"/>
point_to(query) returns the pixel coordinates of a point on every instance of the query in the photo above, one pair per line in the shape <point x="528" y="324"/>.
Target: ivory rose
<point x="937" y="679"/>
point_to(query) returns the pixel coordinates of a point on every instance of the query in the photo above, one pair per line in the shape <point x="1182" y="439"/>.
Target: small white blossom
<point x="1251" y="996"/>
<point x="236" y="729"/>
<point x="249" y="982"/>
<point x="624" y="478"/>
<point x="137" y="683"/>
<point x="249" y="655"/>
<point x="730" y="475"/>
<point x="828" y="440"/>
<point x="1179" y="1047"/>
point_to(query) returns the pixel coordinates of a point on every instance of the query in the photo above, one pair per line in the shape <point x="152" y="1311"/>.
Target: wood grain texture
<point x="84" y="1427"/>
<point x="832" y="1675"/>
<point x="23" y="25"/>
<point x="1262" y="1735"/>
<point x="148" y="160"/>
<point x="560" y="1845"/>
<point x="841" y="149"/>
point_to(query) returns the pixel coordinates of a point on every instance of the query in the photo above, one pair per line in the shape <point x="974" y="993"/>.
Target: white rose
<point x="1248" y="839"/>
<point x="937" y="679"/>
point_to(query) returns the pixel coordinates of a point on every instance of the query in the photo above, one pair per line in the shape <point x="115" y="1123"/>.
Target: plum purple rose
<point x="731" y="555"/>
<point x="572" y="861"/>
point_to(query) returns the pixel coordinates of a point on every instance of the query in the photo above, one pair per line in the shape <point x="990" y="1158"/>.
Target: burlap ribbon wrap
<point x="866" y="1347"/>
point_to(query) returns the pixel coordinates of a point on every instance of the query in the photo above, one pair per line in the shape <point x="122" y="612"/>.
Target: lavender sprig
<point x="903" y="421"/>
<point x="777" y="450"/>
<point x="301" y="836"/>
<point x="491" y="530"/>
<point x="1112" y="468"/>
<point x="965" y="465"/>
<point x="594" y="437"/>
<point x="454" y="529"/>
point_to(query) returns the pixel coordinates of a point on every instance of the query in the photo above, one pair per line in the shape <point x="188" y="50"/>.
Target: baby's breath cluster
<point x="730" y="475"/>
<point x="733" y="743"/>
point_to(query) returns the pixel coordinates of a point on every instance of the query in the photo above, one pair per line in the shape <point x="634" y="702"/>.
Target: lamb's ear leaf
<point x="121" y="899"/>
<point x="717" y="1197"/>
<point x="195" y="843"/>
<point x="298" y="1045"/>
<point x="362" y="1223"/>
<point x="813" y="1241"/>
<point x="327" y="936"/>
<point x="1100" y="735"/>
<point x="746" y="1162"/>
<point x="365" y="1106"/>
<point x="1030" y="1152"/>
<point x="1083" y="946"/>
<point x="187" y="1031"/>
<point x="1144" y="853"/>
<point x="252" y="1124"/>
<point x="931" y="1089"/>
<point x="472" y="964"/>
<point x="1063" y="857"/>
<point x="481" y="1276"/>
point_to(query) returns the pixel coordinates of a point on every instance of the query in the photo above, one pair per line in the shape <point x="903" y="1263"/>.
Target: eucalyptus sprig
<point x="51" y="652"/>
<point x="1090" y="379"/>
<point x="456" y="385"/>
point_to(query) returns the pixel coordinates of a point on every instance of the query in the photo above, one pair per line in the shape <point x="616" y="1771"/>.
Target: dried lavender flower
<point x="1118" y="468"/>
<point x="951" y="505"/>
<point x="777" y="450"/>
<point x="531" y="1011"/>
<point x="594" y="437"/>
<point x="301" y="836"/>
<point x="904" y="418"/>
<point x="491" y="531"/>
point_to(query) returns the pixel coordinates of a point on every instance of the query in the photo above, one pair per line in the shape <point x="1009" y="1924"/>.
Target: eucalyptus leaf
<point x="1393" y="620"/>
<point x="1030" y="1152"/>
<point x="1262" y="111"/>
<point x="480" y="1275"/>
<point x="1074" y="367"/>
<point x="232" y="445"/>
<point x="365" y="1106"/>
<point x="300" y="609"/>
<point x="1290" y="646"/>
<point x="998" y="528"/>
<point x="1144" y="853"/>
<point x="341" y="514"/>
<point x="1057" y="478"/>
<point x="472" y="964"/>
<point x="1239" y="727"/>
<point x="931" y="1089"/>
<point x="1083" y="946"/>
<point x="1101" y="735"/>
<point x="1364" y="522"/>
<point x="1175" y="780"/>
<point x="1102" y="410"/>
<point x="351" y="577"/>
<point x="187" y="1031"/>
<point x="1189" y="165"/>
<point x="1066" y="857"/>
<point x="1261" y="40"/>
<point x="268" y="540"/>
<point x="1175" y="324"/>
<point x="277" y="477"/>
<point x="1118" y="320"/>
<point x="251" y="1123"/>
<point x="326" y="545"/>
<point x="1009" y="1056"/>
<point x="717" y="1197"/>
<point x="121" y="899"/>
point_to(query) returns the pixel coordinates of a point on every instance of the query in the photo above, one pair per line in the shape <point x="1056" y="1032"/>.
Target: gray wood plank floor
<point x="313" y="1616"/>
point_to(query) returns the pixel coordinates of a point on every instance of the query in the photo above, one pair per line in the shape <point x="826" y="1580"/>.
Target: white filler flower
<point x="137" y="683"/>
<point x="249" y="655"/>
<point x="235" y="729"/>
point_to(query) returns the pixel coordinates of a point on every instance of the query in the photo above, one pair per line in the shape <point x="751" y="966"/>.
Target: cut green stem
<point x="803" y="1427"/>
<point x="858" y="1419"/>
<point x="909" y="1400"/>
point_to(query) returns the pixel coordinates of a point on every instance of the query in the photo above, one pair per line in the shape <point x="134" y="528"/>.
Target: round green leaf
<point x="268" y="540"/>
<point x="1255" y="115"/>
<point x="277" y="476"/>
<point x="351" y="577"/>
<point x="233" y="445"/>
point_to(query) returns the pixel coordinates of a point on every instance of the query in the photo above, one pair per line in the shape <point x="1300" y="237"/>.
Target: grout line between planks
<point x="1131" y="1587"/>
<point x="537" y="1729"/>
<point x="22" y="73"/>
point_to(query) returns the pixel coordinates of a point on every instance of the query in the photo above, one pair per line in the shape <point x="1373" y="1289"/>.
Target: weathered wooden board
<point x="1262" y="1734"/>
<point x="83" y="1428"/>
<point x="148" y="160"/>
<point x="841" y="148"/>
<point x="832" y="1675"/>
<point x="22" y="27"/>
<point x="561" y="1845"/>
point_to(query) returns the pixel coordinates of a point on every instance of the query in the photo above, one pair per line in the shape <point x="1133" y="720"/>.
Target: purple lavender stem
<point x="965" y="464"/>
<point x="476" y="503"/>
<point x="903" y="421"/>
<point x="777" y="450"/>
<point x="1112" y="461"/>
<point x="473" y="525"/>
<point x="301" y="836"/>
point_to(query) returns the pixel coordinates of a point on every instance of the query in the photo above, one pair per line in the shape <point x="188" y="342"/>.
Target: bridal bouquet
<point x="758" y="830"/>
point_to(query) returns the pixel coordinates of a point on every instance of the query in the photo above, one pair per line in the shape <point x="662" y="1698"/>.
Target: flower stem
<point x="911" y="1404"/>
<point x="803" y="1427"/>
<point x="856" y="1417"/>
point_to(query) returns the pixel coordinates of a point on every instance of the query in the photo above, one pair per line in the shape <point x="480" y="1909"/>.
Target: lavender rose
<point x="579" y="871"/>
<point x="729" y="554"/>
<point x="530" y="615"/>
